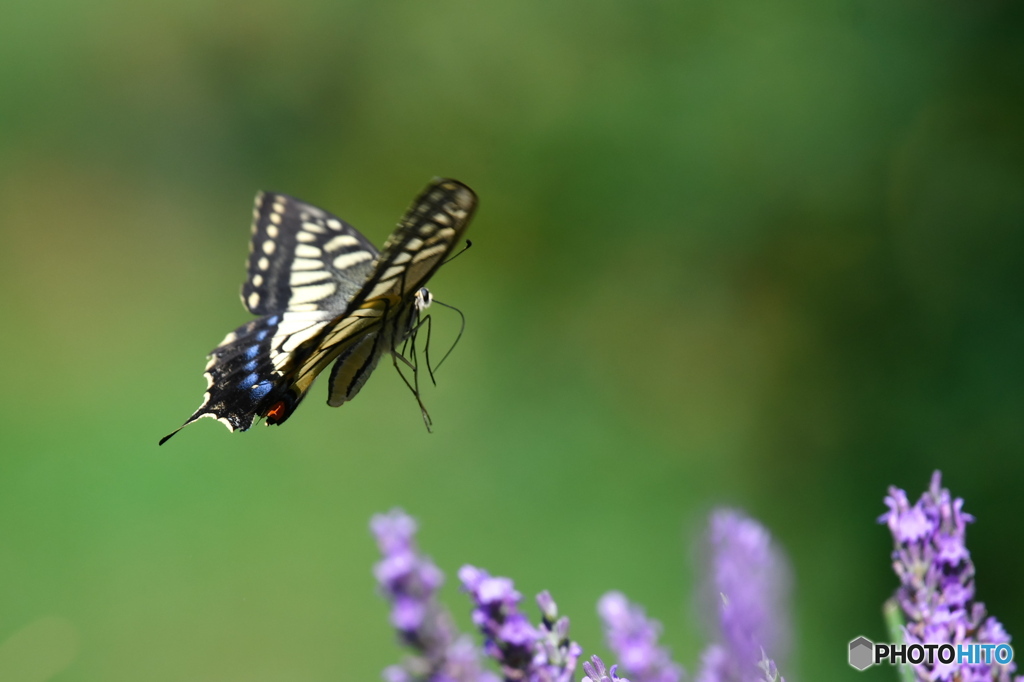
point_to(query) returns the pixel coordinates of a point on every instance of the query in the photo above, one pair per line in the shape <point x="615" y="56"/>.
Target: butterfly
<point x="324" y="294"/>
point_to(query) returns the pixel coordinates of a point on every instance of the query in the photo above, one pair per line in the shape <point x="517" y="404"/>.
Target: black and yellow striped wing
<point x="324" y="293"/>
<point x="427" y="233"/>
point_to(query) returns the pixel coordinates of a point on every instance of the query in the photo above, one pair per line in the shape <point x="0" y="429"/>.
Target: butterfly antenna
<point x="462" y="328"/>
<point x="459" y="253"/>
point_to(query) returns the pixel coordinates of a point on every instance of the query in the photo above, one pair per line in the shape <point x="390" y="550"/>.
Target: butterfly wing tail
<point x="241" y="380"/>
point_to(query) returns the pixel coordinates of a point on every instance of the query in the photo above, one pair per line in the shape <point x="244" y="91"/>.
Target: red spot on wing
<point x="277" y="412"/>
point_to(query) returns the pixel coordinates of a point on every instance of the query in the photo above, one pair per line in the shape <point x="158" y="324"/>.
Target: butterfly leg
<point x="413" y="386"/>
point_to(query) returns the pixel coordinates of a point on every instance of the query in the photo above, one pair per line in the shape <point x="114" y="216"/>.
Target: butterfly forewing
<point x="427" y="233"/>
<point x="302" y="258"/>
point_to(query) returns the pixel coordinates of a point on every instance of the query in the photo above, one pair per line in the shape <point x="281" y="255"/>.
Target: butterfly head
<point x="423" y="299"/>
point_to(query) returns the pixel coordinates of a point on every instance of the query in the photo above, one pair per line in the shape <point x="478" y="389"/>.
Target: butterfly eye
<point x="426" y="297"/>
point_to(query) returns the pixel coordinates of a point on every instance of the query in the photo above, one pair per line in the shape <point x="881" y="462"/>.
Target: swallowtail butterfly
<point x="324" y="294"/>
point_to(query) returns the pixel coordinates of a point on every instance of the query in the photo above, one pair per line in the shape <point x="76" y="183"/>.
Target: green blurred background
<point x="761" y="254"/>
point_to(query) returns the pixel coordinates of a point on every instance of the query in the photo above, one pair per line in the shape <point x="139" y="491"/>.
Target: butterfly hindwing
<point x="302" y="258"/>
<point x="254" y="368"/>
<point x="239" y="376"/>
<point x="362" y="343"/>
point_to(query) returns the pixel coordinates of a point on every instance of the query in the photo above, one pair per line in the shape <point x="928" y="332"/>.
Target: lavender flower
<point x="524" y="652"/>
<point x="750" y="578"/>
<point x="634" y="640"/>
<point x="596" y="672"/>
<point x="557" y="654"/>
<point x="936" y="575"/>
<point x="410" y="581"/>
<point x="767" y="666"/>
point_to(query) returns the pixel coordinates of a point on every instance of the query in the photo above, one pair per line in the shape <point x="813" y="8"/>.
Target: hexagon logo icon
<point x="861" y="650"/>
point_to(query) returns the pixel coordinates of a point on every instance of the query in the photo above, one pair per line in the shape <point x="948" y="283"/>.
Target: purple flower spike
<point x="936" y="592"/>
<point x="524" y="652"/>
<point x="556" y="657"/>
<point x="596" y="672"/>
<point x="410" y="582"/>
<point x="634" y="640"/>
<point x="496" y="614"/>
<point x="749" y="581"/>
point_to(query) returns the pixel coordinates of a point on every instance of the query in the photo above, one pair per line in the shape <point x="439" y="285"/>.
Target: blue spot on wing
<point x="251" y="352"/>
<point x="262" y="334"/>
<point x="261" y="389"/>
<point x="273" y="320"/>
<point x="249" y="380"/>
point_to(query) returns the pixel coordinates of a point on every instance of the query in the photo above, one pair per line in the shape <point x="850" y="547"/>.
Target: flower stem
<point x="894" y="623"/>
